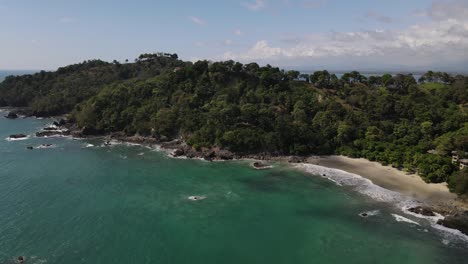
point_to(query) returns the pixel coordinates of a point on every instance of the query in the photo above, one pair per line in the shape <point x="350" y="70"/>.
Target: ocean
<point x="5" y="73"/>
<point x="78" y="201"/>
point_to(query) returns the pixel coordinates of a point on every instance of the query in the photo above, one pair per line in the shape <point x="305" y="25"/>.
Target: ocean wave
<point x="356" y="182"/>
<point x="368" y="188"/>
<point x="450" y="234"/>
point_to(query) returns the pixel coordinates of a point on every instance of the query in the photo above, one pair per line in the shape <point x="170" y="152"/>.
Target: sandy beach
<point x="392" y="179"/>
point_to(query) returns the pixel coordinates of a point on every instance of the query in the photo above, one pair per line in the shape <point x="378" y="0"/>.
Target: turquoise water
<point x="128" y="204"/>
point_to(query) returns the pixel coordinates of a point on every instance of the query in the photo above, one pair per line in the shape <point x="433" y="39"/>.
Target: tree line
<point x="247" y="108"/>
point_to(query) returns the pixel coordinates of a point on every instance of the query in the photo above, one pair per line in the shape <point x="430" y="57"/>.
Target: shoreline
<point x="410" y="185"/>
<point x="382" y="182"/>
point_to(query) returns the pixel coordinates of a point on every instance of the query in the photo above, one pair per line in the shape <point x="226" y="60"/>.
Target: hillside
<point x="253" y="109"/>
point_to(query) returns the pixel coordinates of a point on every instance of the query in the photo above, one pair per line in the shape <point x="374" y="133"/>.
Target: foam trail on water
<point x="400" y="218"/>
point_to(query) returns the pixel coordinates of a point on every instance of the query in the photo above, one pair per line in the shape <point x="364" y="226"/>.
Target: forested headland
<point x="409" y="124"/>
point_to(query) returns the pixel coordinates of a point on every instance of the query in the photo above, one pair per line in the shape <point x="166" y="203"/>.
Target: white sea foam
<point x="358" y="183"/>
<point x="44" y="146"/>
<point x="56" y="136"/>
<point x="369" y="213"/>
<point x="89" y="145"/>
<point x="400" y="218"/>
<point x="451" y="234"/>
<point x="431" y="219"/>
<point x="378" y="193"/>
<point x="17" y="139"/>
<point x="196" y="198"/>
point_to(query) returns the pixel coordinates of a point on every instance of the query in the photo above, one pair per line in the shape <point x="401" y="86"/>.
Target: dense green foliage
<point x="53" y="93"/>
<point x="459" y="182"/>
<point x="251" y="109"/>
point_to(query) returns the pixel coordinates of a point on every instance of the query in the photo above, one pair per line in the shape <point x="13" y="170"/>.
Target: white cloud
<point x="238" y="32"/>
<point x="197" y="20"/>
<point x="443" y="38"/>
<point x="255" y="5"/>
<point x="443" y="10"/>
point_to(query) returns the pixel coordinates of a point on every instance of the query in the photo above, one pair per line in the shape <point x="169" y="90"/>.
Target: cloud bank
<point x="443" y="39"/>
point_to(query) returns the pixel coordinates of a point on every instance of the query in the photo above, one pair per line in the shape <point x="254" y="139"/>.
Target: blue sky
<point x="308" y="34"/>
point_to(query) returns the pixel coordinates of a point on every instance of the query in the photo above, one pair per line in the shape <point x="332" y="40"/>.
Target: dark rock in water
<point x="296" y="159"/>
<point x="51" y="133"/>
<point x="260" y="166"/>
<point x="12" y="115"/>
<point x="178" y="152"/>
<point x="191" y="154"/>
<point x="29" y="147"/>
<point x="15" y="136"/>
<point x="363" y="215"/>
<point x="457" y="221"/>
<point x="422" y="211"/>
<point x="21" y="259"/>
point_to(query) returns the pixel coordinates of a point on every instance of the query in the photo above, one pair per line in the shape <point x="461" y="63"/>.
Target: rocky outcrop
<point x="52" y="133"/>
<point x="296" y="159"/>
<point x="457" y="221"/>
<point x="422" y="211"/>
<point x="178" y="152"/>
<point x="138" y="140"/>
<point x="17" y="136"/>
<point x="180" y="148"/>
<point x="11" y="115"/>
<point x="60" y="123"/>
<point x="225" y="155"/>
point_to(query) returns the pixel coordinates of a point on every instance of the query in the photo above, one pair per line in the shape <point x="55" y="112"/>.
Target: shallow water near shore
<point x="82" y="203"/>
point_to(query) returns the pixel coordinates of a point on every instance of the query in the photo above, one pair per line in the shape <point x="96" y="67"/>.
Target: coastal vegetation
<point x="245" y="108"/>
